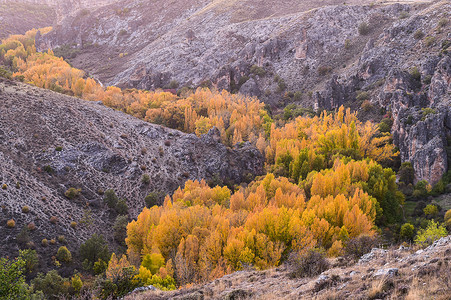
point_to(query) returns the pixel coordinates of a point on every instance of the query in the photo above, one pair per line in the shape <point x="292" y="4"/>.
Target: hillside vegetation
<point x="100" y="198"/>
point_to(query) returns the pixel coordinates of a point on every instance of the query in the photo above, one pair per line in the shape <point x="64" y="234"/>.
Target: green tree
<point x="92" y="250"/>
<point x="407" y="232"/>
<point x="431" y="233"/>
<point x="110" y="198"/>
<point x="120" y="229"/>
<point x="51" y="284"/>
<point x="64" y="254"/>
<point x="406" y="173"/>
<point x="431" y="210"/>
<point x="12" y="279"/>
<point x="153" y="262"/>
<point x="31" y="260"/>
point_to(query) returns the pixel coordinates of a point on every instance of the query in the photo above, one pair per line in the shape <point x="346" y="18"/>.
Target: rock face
<point x="318" y="50"/>
<point x="50" y="143"/>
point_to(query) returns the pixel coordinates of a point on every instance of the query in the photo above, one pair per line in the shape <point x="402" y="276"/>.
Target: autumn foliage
<point x="239" y="118"/>
<point x="207" y="232"/>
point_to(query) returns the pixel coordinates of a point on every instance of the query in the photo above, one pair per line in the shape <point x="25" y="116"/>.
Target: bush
<point x="64" y="254"/>
<point x="406" y="173"/>
<point x="443" y="22"/>
<point x="25" y="209"/>
<point x="120" y="229"/>
<point x="53" y="219"/>
<point x="4" y="186"/>
<point x="31" y="260"/>
<point x="448" y="219"/>
<point x="62" y="239"/>
<point x="122" y="207"/>
<point x="362" y="95"/>
<point x="23" y="237"/>
<point x="92" y="250"/>
<point x="258" y="70"/>
<point x="110" y="199"/>
<point x="73" y="224"/>
<point x="359" y="246"/>
<point x="311" y="263"/>
<point x="76" y="283"/>
<point x="152" y="199"/>
<point x="51" y="284"/>
<point x="31" y="226"/>
<point x="71" y="193"/>
<point x="431" y="210"/>
<point x="11" y="223"/>
<point x="385" y="125"/>
<point x="366" y="106"/>
<point x="431" y="233"/>
<point x="12" y="279"/>
<point x="418" y="35"/>
<point x="145" y="179"/>
<point x="407" y="232"/>
<point x="364" y="28"/>
<point x="44" y="242"/>
<point x="99" y="267"/>
<point x="323" y="70"/>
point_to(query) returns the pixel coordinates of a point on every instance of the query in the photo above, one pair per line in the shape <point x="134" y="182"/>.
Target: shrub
<point x="431" y="210"/>
<point x="152" y="199"/>
<point x="25" y="209"/>
<point x="110" y="199"/>
<point x="363" y="95"/>
<point x="23" y="237"/>
<point x="44" y="242"/>
<point x="418" y="35"/>
<point x="431" y="233"/>
<point x="448" y="219"/>
<point x="443" y="22"/>
<point x="323" y="70"/>
<point x="385" y="125"/>
<point x="407" y="232"/>
<point x="310" y="263"/>
<point x="5" y="73"/>
<point x="71" y="193"/>
<point x="73" y="224"/>
<point x="359" y="246"/>
<point x="4" y="186"/>
<point x="52" y="242"/>
<point x="429" y="41"/>
<point x="99" y="267"/>
<point x="255" y="69"/>
<point x="122" y="207"/>
<point x="364" y="28"/>
<point x="366" y="106"/>
<point x="59" y="148"/>
<point x="48" y="169"/>
<point x="173" y="84"/>
<point x="31" y="260"/>
<point x="51" y="284"/>
<point x="12" y="279"/>
<point x="76" y="283"/>
<point x="53" y="219"/>
<point x="145" y="179"/>
<point x="62" y="239"/>
<point x="406" y="173"/>
<point x="64" y="254"/>
<point x="31" y="226"/>
<point x="403" y="15"/>
<point x="120" y="229"/>
<point x="92" y="250"/>
<point x="11" y="223"/>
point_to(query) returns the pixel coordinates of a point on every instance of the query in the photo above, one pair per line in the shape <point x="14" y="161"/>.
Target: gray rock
<point x="386" y="272"/>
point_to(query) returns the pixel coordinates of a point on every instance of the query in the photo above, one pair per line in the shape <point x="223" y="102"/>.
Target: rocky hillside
<point x="18" y="17"/>
<point x="315" y="54"/>
<point x="50" y="143"/>
<point x="401" y="273"/>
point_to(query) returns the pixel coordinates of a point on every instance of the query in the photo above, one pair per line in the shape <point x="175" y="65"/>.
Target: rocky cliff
<point x="50" y="143"/>
<point x="317" y="54"/>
